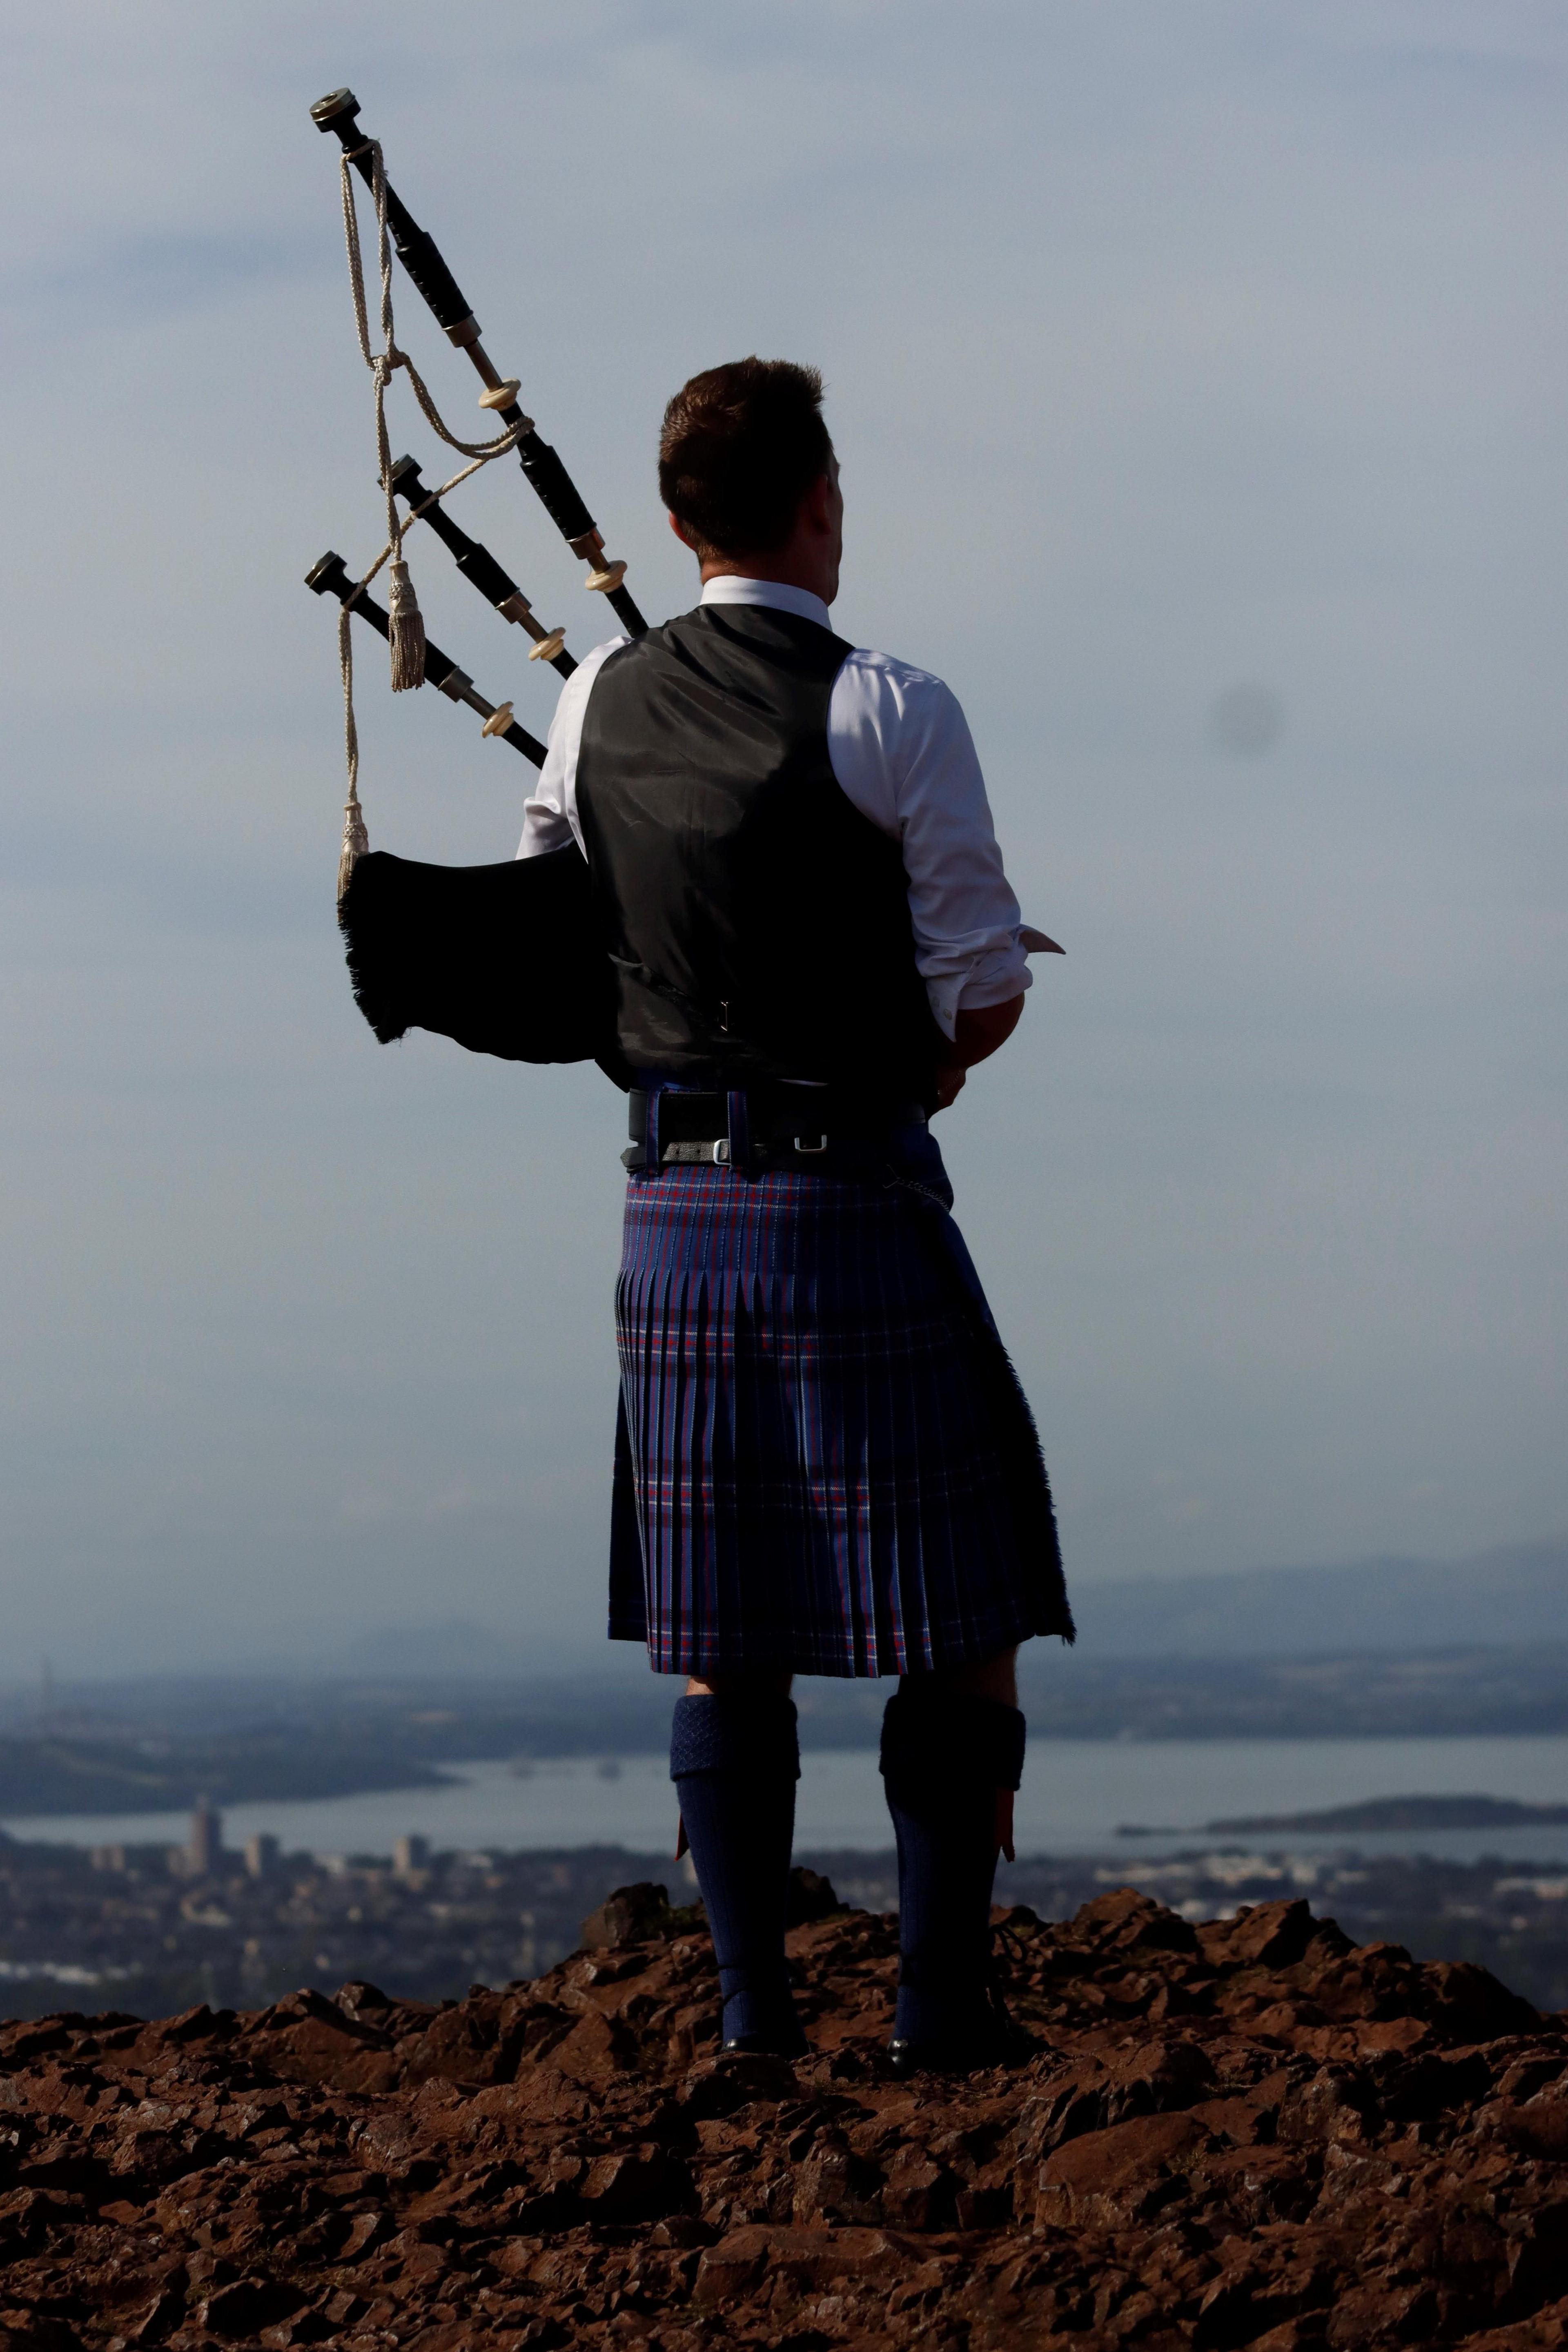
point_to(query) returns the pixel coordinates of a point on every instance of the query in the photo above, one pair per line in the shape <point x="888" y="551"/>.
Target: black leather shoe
<point x="787" y="2042"/>
<point x="987" y="2037"/>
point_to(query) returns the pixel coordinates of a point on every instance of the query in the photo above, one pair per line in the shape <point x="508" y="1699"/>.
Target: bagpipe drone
<point x="501" y="958"/>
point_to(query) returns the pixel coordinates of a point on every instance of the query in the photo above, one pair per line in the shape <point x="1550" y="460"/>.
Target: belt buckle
<point x="722" y="1151"/>
<point x="809" y="1151"/>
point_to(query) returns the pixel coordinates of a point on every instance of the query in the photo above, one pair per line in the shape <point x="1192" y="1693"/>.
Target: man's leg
<point x="952" y="1755"/>
<point x="734" y="1759"/>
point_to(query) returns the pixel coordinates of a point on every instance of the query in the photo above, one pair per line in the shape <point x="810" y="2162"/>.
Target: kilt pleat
<point x="822" y="1460"/>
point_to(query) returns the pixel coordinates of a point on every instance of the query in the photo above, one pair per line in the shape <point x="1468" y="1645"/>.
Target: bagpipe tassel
<point x="356" y="841"/>
<point x="407" y="639"/>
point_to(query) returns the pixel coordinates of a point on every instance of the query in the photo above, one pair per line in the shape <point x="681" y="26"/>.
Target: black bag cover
<point x="503" y="958"/>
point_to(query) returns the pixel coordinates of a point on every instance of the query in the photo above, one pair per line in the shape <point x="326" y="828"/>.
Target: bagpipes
<point x="501" y="958"/>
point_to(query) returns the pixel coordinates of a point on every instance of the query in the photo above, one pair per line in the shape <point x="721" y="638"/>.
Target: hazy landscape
<point x="147" y="1744"/>
<point x="148" y="1748"/>
<point x="155" y="1926"/>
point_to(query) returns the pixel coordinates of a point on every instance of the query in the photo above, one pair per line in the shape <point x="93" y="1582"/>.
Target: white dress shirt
<point x="901" y="751"/>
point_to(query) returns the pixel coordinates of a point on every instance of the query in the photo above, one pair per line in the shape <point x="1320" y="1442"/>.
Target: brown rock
<point x="1109" y="2179"/>
<point x="1128" y="1922"/>
<point x="639" y="2184"/>
<point x="811" y="1896"/>
<point x="628" y="1917"/>
<point x="1263" y="1935"/>
<point x="242" y="2309"/>
<point x="799" y="2257"/>
<point x="1546" y="2332"/>
<point x="835" y="2185"/>
<point x="917" y="2195"/>
<point x="595" y="2048"/>
<point x="1538" y="2129"/>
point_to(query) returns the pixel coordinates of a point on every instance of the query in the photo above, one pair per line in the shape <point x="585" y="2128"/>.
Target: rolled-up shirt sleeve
<point x="550" y="812"/>
<point x="903" y="754"/>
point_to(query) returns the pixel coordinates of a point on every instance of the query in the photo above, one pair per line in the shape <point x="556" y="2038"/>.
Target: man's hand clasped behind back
<point x="977" y="1034"/>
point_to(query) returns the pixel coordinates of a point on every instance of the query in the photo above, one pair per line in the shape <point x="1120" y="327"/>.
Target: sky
<point x="1197" y="372"/>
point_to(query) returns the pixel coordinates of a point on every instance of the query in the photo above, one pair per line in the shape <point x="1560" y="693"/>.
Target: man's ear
<point x="816" y="507"/>
<point x="682" y="534"/>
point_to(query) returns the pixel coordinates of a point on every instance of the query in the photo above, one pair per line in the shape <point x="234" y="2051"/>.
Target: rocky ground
<point x="1245" y="2134"/>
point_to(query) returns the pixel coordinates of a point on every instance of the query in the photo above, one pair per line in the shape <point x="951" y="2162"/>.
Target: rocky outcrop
<point x="1245" y="2134"/>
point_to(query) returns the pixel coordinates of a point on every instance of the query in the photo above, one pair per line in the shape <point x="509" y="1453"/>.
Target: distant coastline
<point x="1374" y="1815"/>
<point x="151" y="1745"/>
<point x="53" y="1775"/>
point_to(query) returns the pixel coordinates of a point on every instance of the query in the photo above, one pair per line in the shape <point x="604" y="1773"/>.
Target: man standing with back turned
<point x="823" y="1463"/>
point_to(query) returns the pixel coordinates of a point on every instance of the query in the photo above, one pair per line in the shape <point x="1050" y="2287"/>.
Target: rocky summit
<point x="1251" y="2133"/>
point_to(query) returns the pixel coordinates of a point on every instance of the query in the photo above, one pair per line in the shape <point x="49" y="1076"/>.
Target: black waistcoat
<point x="758" y="923"/>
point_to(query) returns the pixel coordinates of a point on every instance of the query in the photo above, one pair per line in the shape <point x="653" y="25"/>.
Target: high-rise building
<point x="261" y="1853"/>
<point x="203" y="1853"/>
<point x="410" y="1853"/>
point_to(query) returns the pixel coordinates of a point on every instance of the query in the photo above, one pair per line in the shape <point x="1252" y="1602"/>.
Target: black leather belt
<point x="776" y="1126"/>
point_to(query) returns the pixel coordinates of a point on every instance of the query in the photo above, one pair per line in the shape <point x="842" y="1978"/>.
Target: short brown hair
<point x="741" y="445"/>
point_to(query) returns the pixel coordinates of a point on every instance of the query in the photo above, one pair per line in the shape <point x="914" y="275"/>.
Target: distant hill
<point x="1512" y="1596"/>
<point x="1400" y="1813"/>
<point x="1508" y="1598"/>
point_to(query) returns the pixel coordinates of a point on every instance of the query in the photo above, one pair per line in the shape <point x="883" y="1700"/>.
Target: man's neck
<point x="778" y="569"/>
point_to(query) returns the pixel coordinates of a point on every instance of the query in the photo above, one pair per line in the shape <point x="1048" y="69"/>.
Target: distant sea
<point x="1077" y="1795"/>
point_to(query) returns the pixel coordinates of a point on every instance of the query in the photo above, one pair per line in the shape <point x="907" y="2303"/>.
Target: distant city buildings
<point x="119" y="1928"/>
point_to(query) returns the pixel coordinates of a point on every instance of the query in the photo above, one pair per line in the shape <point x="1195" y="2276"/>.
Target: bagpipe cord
<point x="407" y="632"/>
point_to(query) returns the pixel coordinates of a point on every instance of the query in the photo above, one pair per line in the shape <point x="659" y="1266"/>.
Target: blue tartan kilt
<point x="824" y="1460"/>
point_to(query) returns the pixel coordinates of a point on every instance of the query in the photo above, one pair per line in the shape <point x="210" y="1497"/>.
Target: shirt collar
<point x="731" y="589"/>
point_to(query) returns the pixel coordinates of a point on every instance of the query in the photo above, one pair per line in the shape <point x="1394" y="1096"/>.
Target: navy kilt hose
<point x="824" y="1460"/>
